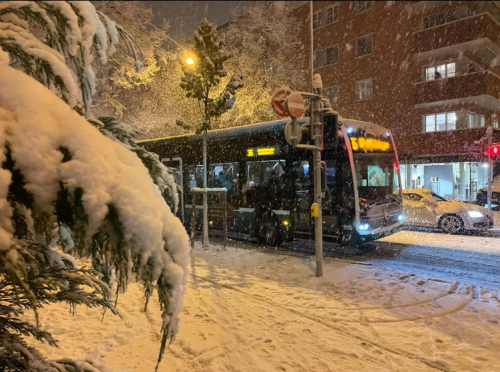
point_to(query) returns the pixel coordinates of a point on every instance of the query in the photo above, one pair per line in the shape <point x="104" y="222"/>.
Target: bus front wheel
<point x="266" y="229"/>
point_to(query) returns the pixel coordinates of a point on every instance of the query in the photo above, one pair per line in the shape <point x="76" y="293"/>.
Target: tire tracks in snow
<point x="436" y="365"/>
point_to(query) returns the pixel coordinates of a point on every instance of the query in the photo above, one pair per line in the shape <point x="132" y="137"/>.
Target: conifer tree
<point x="68" y="190"/>
<point x="203" y="82"/>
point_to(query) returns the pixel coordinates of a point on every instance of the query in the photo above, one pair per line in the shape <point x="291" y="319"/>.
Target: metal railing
<point x="194" y="192"/>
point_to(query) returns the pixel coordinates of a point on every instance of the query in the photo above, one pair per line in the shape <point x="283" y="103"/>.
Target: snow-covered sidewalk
<point x="251" y="311"/>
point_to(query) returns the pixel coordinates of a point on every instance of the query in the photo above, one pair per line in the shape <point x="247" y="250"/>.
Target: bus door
<point x="302" y="177"/>
<point x="176" y="163"/>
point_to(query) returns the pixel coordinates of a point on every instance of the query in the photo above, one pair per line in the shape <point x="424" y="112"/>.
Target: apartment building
<point x="428" y="70"/>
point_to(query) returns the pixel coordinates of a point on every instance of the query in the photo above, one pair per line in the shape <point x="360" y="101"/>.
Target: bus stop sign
<point x="278" y="100"/>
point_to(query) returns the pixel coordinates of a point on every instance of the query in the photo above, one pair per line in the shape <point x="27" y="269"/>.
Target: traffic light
<point x="494" y="150"/>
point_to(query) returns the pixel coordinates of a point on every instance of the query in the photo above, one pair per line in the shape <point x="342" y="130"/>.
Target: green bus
<point x="270" y="183"/>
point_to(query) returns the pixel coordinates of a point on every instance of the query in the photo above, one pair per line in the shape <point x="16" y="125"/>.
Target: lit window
<point x="331" y="55"/>
<point x="362" y="6"/>
<point x="441" y="71"/>
<point x="317" y="19"/>
<point x="318" y="59"/>
<point x="440" y="122"/>
<point x="364" y="89"/>
<point x="476" y="120"/>
<point x="364" y="45"/>
<point x="494" y="123"/>
<point x="333" y="94"/>
<point x="332" y="14"/>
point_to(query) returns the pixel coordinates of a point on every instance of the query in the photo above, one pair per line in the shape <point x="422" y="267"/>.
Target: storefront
<point x="454" y="180"/>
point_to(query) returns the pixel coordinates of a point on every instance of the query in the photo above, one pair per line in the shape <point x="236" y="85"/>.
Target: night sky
<point x="184" y="16"/>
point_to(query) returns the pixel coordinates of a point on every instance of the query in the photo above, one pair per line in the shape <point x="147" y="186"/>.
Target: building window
<point x="318" y="19"/>
<point x="362" y="6"/>
<point x="364" y="45"/>
<point x="476" y="120"/>
<point x="331" y="55"/>
<point x="333" y="94"/>
<point x="440" y="19"/>
<point x="444" y="70"/>
<point x="440" y="122"/>
<point x="332" y="14"/>
<point x="494" y="123"/>
<point x="364" y="89"/>
<point x="318" y="59"/>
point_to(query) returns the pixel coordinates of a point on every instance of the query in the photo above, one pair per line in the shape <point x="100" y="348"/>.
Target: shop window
<point x="440" y="122"/>
<point x="332" y="14"/>
<point x="364" y="45"/>
<point x="333" y="94"/>
<point x="362" y="6"/>
<point x="441" y="71"/>
<point x="476" y="120"/>
<point x="364" y="89"/>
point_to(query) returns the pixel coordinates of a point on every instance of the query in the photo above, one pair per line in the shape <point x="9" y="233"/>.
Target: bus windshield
<point x="376" y="176"/>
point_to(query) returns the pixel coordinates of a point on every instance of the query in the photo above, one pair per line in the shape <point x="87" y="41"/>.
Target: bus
<point x="270" y="183"/>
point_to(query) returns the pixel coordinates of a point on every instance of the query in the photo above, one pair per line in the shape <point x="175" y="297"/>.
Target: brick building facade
<point x="428" y="70"/>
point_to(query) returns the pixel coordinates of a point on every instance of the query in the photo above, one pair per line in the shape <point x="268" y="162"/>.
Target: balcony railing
<point x="462" y="86"/>
<point x="457" y="32"/>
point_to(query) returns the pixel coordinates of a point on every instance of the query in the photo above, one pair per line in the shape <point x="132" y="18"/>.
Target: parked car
<point x="425" y="208"/>
<point x="481" y="198"/>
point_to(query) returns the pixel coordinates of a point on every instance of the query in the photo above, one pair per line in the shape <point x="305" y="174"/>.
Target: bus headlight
<point x="475" y="214"/>
<point x="364" y="226"/>
<point x="401" y="217"/>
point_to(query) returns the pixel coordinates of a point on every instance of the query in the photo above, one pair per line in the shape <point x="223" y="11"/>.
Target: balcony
<point x="478" y="35"/>
<point x="482" y="88"/>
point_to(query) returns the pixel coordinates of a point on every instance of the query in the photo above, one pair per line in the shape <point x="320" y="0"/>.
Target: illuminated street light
<point x="190" y="61"/>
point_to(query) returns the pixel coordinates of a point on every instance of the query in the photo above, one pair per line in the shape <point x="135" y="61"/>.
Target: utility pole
<point x="205" y="202"/>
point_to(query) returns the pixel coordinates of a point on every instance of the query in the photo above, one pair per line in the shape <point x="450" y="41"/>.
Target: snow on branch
<point x="72" y="34"/>
<point x="99" y="196"/>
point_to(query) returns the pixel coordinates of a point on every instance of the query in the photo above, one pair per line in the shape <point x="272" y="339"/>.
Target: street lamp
<point x="190" y="61"/>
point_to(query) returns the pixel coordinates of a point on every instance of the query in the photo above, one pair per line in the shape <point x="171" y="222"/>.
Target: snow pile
<point x="35" y="125"/>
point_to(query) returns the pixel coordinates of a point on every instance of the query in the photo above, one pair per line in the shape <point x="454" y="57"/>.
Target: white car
<point x="424" y="208"/>
<point x="482" y="198"/>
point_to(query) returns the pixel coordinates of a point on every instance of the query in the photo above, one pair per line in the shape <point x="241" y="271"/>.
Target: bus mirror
<point x="330" y="131"/>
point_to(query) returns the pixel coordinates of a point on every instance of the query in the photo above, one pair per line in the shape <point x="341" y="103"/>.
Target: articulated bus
<point x="270" y="183"/>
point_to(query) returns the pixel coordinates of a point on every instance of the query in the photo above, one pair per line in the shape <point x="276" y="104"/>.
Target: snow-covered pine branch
<point x="60" y="171"/>
<point x="68" y="33"/>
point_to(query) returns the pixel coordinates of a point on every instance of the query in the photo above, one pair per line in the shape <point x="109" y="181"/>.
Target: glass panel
<point x="441" y="122"/>
<point x="332" y="55"/>
<point x="451" y="119"/>
<point x="430" y="73"/>
<point x="482" y="120"/>
<point x="364" y="45"/>
<point x="375" y="175"/>
<point x="329" y="15"/>
<point x="333" y="94"/>
<point x="450" y="69"/>
<point x="495" y="123"/>
<point x="472" y="120"/>
<point x="318" y="59"/>
<point x="430" y="123"/>
<point x="440" y="71"/>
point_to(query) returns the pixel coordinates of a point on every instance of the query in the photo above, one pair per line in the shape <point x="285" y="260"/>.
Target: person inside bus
<point x="225" y="182"/>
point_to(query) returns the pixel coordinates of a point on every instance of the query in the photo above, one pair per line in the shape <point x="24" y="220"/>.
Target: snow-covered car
<point x="495" y="193"/>
<point x="425" y="208"/>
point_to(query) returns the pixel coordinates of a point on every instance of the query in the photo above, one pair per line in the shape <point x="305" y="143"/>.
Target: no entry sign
<point x="277" y="102"/>
<point x="295" y="105"/>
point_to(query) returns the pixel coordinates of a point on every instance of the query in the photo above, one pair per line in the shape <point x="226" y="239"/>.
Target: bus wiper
<point x="385" y="197"/>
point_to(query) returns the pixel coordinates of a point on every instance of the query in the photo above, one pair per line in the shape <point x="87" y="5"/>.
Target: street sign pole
<point x="318" y="228"/>
<point x="489" y="135"/>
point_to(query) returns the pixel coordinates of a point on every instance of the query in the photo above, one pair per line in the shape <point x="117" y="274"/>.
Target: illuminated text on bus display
<point x="369" y="144"/>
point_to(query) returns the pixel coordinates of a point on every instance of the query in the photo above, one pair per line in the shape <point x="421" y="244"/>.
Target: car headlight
<point x="475" y="214"/>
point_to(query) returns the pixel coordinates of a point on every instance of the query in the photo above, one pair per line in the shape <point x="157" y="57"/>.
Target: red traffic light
<point x="494" y="150"/>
